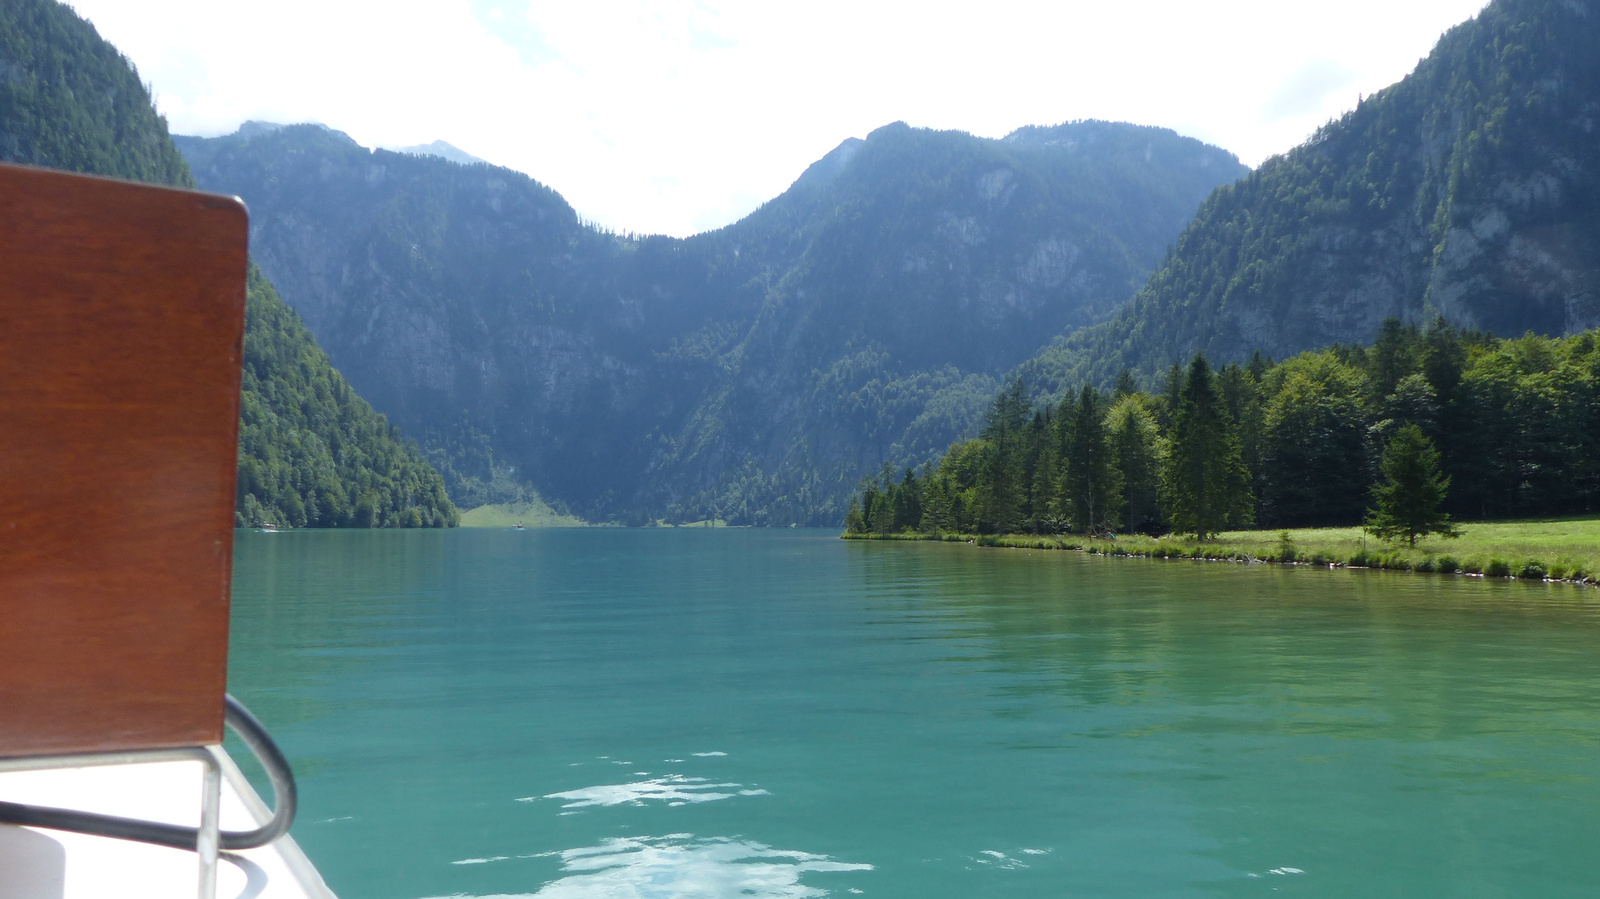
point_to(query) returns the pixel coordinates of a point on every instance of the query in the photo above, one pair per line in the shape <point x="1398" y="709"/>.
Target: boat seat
<point x="121" y="343"/>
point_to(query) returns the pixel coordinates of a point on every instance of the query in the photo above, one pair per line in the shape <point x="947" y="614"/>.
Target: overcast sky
<point x="676" y="116"/>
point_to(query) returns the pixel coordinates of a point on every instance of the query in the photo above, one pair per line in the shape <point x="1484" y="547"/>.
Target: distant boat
<point x="518" y="527"/>
<point x="268" y="527"/>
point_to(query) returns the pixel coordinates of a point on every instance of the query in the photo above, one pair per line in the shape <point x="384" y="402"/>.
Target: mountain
<point x="1470" y="189"/>
<point x="442" y="150"/>
<point x="753" y="373"/>
<point x="311" y="452"/>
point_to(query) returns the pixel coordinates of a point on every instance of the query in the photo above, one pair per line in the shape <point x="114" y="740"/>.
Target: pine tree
<point x="938" y="511"/>
<point x="1407" y="505"/>
<point x="1004" y="488"/>
<point x="1207" y="485"/>
<point x="1136" y="455"/>
<point x="1392" y="357"/>
<point x="1090" y="486"/>
<point x="1009" y="413"/>
<point x="855" y="521"/>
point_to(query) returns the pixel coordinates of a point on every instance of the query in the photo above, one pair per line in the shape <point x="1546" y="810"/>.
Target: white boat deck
<point x="50" y="864"/>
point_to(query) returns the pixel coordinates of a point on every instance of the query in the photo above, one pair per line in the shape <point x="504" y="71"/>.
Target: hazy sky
<point x="675" y="115"/>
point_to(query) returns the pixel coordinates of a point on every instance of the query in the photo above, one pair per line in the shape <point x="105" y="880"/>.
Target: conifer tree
<point x="1407" y="503"/>
<point x="1136" y="455"/>
<point x="938" y="509"/>
<point x="1090" y="486"/>
<point x="1207" y="485"/>
<point x="1392" y="356"/>
<point x="855" y="521"/>
<point x="1003" y="490"/>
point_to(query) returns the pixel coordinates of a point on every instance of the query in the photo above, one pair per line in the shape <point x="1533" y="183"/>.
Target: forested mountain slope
<point x="752" y="373"/>
<point x="1469" y="189"/>
<point x="311" y="451"/>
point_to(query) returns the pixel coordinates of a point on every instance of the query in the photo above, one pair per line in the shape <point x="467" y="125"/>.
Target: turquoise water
<point x="728" y="713"/>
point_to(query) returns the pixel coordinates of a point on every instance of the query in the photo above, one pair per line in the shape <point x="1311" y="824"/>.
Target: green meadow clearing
<point x="1557" y="548"/>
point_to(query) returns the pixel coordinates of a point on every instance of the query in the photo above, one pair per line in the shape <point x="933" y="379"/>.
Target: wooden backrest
<point x="121" y="339"/>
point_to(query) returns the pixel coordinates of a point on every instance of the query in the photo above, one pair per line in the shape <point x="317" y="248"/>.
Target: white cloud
<point x="678" y="115"/>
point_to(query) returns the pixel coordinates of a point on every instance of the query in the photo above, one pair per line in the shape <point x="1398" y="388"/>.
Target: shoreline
<point x="1417" y="560"/>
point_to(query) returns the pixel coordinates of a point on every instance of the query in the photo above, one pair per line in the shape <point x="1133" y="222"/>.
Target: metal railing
<point x="207" y="839"/>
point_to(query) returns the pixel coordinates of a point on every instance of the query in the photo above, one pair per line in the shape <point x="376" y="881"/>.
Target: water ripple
<point x="674" y="789"/>
<point x="678" y="866"/>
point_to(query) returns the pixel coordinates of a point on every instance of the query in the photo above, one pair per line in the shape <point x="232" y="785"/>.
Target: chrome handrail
<point x="205" y="839"/>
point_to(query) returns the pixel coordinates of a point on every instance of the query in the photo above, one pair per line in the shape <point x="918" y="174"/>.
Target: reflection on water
<point x="673" y="789"/>
<point x="680" y="866"/>
<point x="968" y="722"/>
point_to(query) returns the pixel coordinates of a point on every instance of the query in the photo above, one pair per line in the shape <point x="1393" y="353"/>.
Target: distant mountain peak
<point x="442" y="150"/>
<point x="253" y="128"/>
<point x="256" y="128"/>
<point x="828" y="167"/>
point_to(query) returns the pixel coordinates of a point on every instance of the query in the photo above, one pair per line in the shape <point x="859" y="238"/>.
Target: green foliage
<point x="1206" y="483"/>
<point x="1517" y="424"/>
<point x="1406" y="504"/>
<point x="69" y="100"/>
<point x="1136" y="453"/>
<point x="1286" y="548"/>
<point x="1421" y="200"/>
<point x="1091" y="484"/>
<point x="752" y="374"/>
<point x="311" y="452"/>
<point x="1314" y="442"/>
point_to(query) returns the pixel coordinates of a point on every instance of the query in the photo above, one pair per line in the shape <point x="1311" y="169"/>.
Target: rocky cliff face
<point x="1470" y="189"/>
<point x="752" y="373"/>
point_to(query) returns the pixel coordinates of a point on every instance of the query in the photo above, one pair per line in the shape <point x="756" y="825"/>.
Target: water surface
<point x="733" y="713"/>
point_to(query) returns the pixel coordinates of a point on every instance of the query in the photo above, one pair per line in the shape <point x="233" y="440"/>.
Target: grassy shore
<point x="505" y="515"/>
<point x="1543" y="549"/>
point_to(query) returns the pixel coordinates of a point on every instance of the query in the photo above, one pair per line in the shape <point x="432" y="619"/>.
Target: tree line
<point x="312" y="453"/>
<point x="1485" y="427"/>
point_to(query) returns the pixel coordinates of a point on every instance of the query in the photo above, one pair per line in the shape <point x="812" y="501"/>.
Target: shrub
<point x="1578" y="573"/>
<point x="1559" y="571"/>
<point x="1360" y="560"/>
<point x="1532" y="570"/>
<point x="1497" y="568"/>
<point x="1472" y="566"/>
<point x="1446" y="565"/>
<point x="1286" y="550"/>
<point x="1426" y="565"/>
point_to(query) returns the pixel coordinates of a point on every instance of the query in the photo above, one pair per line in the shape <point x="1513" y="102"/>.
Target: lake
<point x="745" y="713"/>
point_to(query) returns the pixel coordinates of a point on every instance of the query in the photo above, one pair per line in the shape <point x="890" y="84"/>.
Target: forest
<point x="1514" y="425"/>
<point x="1418" y="199"/>
<point x="751" y="374"/>
<point x="312" y="453"/>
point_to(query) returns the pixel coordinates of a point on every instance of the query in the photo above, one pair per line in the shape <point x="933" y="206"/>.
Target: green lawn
<point x="1548" y="547"/>
<point x="505" y="515"/>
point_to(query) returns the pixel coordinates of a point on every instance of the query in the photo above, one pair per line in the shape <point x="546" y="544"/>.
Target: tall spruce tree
<point x="1003" y="491"/>
<point x="1207" y="485"/>
<point x="1136" y="455"/>
<point x="1090" y="487"/>
<point x="1407" y="503"/>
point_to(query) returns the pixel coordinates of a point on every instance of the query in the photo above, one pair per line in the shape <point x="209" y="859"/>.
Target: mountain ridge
<point x="1470" y="188"/>
<point x="783" y="355"/>
<point x="311" y="452"/>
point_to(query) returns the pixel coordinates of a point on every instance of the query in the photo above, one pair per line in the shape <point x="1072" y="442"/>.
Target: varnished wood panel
<point x="121" y="329"/>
